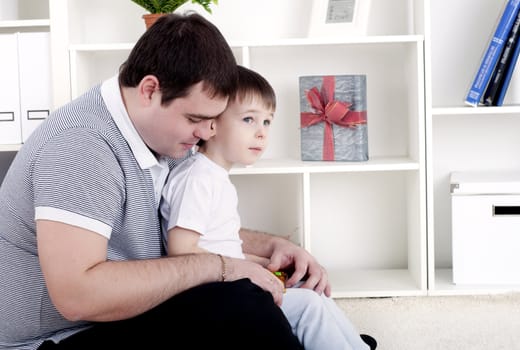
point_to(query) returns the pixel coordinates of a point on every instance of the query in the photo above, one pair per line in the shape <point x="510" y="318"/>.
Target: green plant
<point x="167" y="6"/>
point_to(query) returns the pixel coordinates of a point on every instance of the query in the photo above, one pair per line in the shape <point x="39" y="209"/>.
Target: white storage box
<point x="485" y="227"/>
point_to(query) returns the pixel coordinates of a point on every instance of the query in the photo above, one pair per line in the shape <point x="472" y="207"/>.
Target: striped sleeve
<point x="79" y="185"/>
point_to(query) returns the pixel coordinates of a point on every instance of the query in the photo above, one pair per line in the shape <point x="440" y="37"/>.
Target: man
<point x="81" y="258"/>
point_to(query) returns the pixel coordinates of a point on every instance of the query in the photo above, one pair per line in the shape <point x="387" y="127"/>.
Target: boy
<point x="199" y="210"/>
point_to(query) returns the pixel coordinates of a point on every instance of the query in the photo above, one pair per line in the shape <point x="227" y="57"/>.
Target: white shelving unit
<point x="459" y="137"/>
<point x="364" y="221"/>
<point x="21" y="16"/>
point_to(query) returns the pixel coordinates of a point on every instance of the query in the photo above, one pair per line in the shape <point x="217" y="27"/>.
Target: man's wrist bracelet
<point x="223" y="267"/>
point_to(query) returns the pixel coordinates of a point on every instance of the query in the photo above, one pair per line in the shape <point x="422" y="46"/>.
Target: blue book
<point x="499" y="101"/>
<point x="493" y="52"/>
<point x="497" y="79"/>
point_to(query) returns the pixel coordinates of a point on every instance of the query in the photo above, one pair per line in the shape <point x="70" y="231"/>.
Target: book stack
<point x="492" y="79"/>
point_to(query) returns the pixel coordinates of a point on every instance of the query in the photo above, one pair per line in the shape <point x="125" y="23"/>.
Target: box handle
<point x="506" y="210"/>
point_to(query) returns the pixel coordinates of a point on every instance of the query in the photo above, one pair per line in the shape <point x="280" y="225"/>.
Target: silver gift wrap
<point x="350" y="143"/>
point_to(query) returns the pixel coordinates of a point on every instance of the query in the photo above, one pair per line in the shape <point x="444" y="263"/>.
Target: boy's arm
<point x="182" y="241"/>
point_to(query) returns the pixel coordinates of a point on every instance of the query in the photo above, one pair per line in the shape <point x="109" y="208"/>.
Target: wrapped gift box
<point x="333" y="118"/>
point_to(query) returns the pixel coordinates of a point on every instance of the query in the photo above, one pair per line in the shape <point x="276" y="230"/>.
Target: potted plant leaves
<point x="158" y="8"/>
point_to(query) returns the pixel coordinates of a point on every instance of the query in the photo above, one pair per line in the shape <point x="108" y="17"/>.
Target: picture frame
<point x="339" y="18"/>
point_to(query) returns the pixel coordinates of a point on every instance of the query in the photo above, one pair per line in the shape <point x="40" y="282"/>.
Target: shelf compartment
<point x="271" y="203"/>
<point x="492" y="144"/>
<point x="118" y="21"/>
<point x="393" y="101"/>
<point x="18" y="13"/>
<point x="445" y="286"/>
<point x="374" y="283"/>
<point x="380" y="248"/>
<point x="393" y="127"/>
<point x="24" y="16"/>
<point x="458" y="47"/>
<point x="85" y="70"/>
<point x="368" y="221"/>
<point x="290" y="20"/>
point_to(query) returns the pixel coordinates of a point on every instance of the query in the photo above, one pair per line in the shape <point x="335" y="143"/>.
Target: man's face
<point x="172" y="130"/>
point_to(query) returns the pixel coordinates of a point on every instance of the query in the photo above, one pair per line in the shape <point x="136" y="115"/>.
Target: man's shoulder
<point x="85" y="115"/>
<point x="87" y="107"/>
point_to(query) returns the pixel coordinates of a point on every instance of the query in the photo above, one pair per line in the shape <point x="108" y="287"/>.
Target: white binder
<point x="35" y="81"/>
<point x="10" y="130"/>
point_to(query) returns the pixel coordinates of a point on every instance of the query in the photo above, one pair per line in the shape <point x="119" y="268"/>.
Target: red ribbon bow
<point x="330" y="112"/>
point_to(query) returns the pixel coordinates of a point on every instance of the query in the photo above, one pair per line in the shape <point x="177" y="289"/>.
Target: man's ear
<point x="148" y="89"/>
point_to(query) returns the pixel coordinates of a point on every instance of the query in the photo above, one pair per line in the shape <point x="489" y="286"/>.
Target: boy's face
<point x="242" y="132"/>
<point x="172" y="130"/>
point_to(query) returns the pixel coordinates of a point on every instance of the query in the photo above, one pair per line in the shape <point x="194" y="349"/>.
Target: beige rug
<point x="443" y="323"/>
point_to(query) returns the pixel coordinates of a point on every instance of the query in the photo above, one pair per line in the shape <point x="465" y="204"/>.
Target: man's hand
<point x="287" y="256"/>
<point x="265" y="279"/>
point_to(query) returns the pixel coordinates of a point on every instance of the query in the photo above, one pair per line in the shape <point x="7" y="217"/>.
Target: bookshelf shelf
<point x="467" y="110"/>
<point x="10" y="148"/>
<point x="444" y="286"/>
<point x="101" y="47"/>
<point x="27" y="23"/>
<point x="381" y="39"/>
<point x="290" y="166"/>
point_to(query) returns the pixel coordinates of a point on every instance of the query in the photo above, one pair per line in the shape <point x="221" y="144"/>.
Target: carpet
<point x="487" y="322"/>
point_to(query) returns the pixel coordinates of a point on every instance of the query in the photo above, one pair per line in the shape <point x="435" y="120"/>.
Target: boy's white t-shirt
<point x="199" y="196"/>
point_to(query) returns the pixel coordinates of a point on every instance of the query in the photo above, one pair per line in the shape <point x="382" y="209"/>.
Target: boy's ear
<point x="148" y="86"/>
<point x="213" y="126"/>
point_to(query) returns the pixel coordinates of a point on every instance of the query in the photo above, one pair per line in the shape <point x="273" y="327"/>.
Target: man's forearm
<point x="257" y="242"/>
<point x="117" y="290"/>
